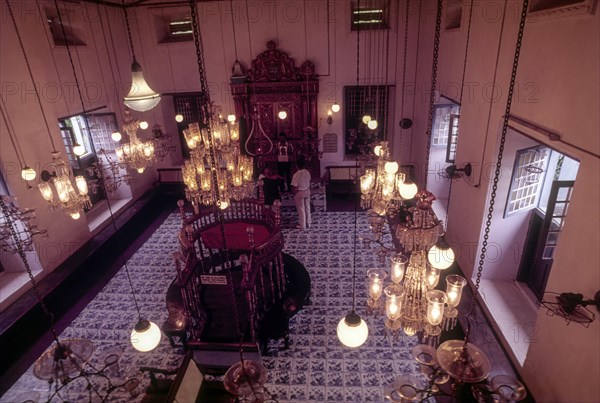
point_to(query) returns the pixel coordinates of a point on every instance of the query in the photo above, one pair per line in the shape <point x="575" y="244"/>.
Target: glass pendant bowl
<point x="465" y="364"/>
<point x="65" y="360"/>
<point x="246" y="379"/>
<point x="405" y="388"/>
<point x="508" y="388"/>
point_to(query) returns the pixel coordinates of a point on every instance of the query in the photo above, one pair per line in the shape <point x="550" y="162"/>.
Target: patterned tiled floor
<point x="316" y="368"/>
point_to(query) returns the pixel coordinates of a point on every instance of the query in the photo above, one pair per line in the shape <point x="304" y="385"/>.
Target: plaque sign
<point x="213" y="279"/>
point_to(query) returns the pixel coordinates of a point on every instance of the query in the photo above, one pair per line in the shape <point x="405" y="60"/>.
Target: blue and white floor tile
<point x="316" y="367"/>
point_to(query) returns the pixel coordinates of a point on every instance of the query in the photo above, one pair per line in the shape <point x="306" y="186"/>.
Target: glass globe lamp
<point x="352" y="330"/>
<point x="179" y="118"/>
<point x="335" y="107"/>
<point x="408" y="190"/>
<point x="366" y="119"/>
<point x="28" y="173"/>
<point x="78" y="150"/>
<point x="440" y="258"/>
<point x="116" y="136"/>
<point x="143" y="125"/>
<point x="372" y="124"/>
<point x="282" y="115"/>
<point x="145" y="336"/>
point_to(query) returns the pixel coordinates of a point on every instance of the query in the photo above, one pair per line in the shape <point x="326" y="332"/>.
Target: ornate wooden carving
<point x="275" y="65"/>
<point x="274" y="83"/>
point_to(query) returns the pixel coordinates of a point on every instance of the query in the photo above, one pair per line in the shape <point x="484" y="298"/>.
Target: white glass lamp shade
<point x="372" y="124"/>
<point x="141" y="97"/>
<point x="179" y="118"/>
<point x="376" y="277"/>
<point x="78" y="150"/>
<point x="62" y="190"/>
<point x="28" y="173"/>
<point x="140" y="170"/>
<point x="433" y="277"/>
<point x="408" y="190"/>
<point x="366" y="184"/>
<point x="440" y="258"/>
<point x="75" y="216"/>
<point x="282" y="115"/>
<point x="435" y="306"/>
<point x="352" y="330"/>
<point x="143" y="125"/>
<point x="145" y="336"/>
<point x="231" y="118"/>
<point x="335" y="107"/>
<point x="393" y="301"/>
<point x="116" y="136"/>
<point x="366" y="119"/>
<point x="223" y="204"/>
<point x="454" y="287"/>
<point x="398" y="267"/>
<point x="377" y="150"/>
<point x="81" y="185"/>
<point x="46" y="191"/>
<point x="391" y="167"/>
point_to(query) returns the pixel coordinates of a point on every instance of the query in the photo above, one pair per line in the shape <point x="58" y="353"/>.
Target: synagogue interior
<point x="299" y="201"/>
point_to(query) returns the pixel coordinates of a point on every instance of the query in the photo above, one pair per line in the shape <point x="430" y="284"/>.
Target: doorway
<point x="444" y="137"/>
<point x="546" y="223"/>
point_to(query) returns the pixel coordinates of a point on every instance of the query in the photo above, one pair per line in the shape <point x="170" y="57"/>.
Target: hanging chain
<point x="462" y="82"/>
<point x="233" y="27"/>
<point x="37" y="94"/>
<point x="460" y="101"/>
<point x="84" y="112"/>
<point x="100" y="172"/>
<point x="387" y="88"/>
<point x="21" y="252"/>
<point x="129" y="31"/>
<point x="404" y="57"/>
<point x="488" y="222"/>
<point x="436" y="50"/>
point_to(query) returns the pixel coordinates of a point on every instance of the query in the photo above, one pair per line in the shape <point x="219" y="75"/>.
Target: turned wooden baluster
<point x="246" y="268"/>
<point x="180" y="204"/>
<point x="177" y="257"/>
<point x="277" y="211"/>
<point x="189" y="230"/>
<point x="272" y="283"/>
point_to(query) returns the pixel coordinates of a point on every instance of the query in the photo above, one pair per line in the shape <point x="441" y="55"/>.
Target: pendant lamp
<point x="141" y="97"/>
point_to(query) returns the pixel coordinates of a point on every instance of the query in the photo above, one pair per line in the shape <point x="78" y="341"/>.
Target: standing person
<point x="301" y="189"/>
<point x="271" y="185"/>
<point x="284" y="168"/>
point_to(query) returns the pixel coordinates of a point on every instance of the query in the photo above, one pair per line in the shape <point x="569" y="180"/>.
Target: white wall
<point x="557" y="89"/>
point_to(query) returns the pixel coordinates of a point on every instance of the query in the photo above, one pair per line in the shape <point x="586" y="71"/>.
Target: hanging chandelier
<point x="136" y="154"/>
<point x="24" y="228"/>
<point x="233" y="180"/>
<point x="461" y="360"/>
<point x="70" y="201"/>
<point x="162" y="145"/>
<point x="107" y="172"/>
<point x="384" y="188"/>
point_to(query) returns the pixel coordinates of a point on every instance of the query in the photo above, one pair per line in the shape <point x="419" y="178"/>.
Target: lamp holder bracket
<point x="46" y="176"/>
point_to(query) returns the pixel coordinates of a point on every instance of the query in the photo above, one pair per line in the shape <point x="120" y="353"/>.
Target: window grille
<point x="527" y="179"/>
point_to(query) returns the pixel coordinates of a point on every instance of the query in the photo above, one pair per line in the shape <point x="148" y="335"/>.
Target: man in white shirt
<point x="301" y="189"/>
